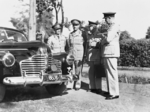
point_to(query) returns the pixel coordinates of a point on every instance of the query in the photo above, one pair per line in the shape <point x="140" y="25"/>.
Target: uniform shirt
<point x="110" y="42"/>
<point x="57" y="43"/>
<point x="76" y="44"/>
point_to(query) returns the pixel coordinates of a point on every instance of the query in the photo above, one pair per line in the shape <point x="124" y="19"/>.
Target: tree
<point x="148" y="33"/>
<point x="43" y="5"/>
<point x="125" y="35"/>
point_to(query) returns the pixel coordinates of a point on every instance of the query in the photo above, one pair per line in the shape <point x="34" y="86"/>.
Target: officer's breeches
<point x="110" y="65"/>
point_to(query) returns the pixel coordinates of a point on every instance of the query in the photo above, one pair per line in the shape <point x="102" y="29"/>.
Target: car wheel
<point x="56" y="89"/>
<point x="2" y="91"/>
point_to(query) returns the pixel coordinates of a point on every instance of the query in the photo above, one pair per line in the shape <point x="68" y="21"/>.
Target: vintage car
<point x="28" y="63"/>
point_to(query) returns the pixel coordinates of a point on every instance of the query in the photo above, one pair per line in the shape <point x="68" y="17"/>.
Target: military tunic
<point x="57" y="43"/>
<point x="76" y="44"/>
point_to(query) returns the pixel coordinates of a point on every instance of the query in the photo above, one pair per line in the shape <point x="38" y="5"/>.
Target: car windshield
<point x="11" y="35"/>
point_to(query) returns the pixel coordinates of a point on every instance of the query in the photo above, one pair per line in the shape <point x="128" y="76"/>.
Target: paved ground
<point x="133" y="98"/>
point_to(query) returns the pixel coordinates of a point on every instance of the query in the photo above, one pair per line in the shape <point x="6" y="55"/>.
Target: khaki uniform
<point x="57" y="43"/>
<point x="77" y="50"/>
<point x="110" y="53"/>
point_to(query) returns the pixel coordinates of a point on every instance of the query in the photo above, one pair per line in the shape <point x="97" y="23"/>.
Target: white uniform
<point x="110" y="53"/>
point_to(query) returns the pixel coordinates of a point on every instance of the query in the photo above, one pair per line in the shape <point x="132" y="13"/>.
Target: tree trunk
<point x="56" y="14"/>
<point x="62" y="11"/>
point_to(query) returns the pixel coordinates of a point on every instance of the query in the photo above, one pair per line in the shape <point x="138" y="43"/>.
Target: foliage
<point x="103" y="27"/>
<point x="134" y="53"/>
<point x="44" y="25"/>
<point x="43" y="5"/>
<point x="125" y="35"/>
<point x="22" y="25"/>
<point x="148" y="33"/>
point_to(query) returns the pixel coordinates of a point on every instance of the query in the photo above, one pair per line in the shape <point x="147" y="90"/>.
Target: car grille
<point x="33" y="66"/>
<point x="52" y="61"/>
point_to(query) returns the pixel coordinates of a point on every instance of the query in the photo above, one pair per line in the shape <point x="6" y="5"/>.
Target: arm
<point x="112" y="33"/>
<point x="67" y="47"/>
<point x="50" y="43"/>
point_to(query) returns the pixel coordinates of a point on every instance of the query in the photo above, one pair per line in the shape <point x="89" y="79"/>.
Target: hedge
<point x="134" y="53"/>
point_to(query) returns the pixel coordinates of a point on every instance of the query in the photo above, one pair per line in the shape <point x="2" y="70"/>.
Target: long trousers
<point x="110" y="65"/>
<point x="94" y="83"/>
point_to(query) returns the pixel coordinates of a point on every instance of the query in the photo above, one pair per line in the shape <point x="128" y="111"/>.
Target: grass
<point x="130" y="75"/>
<point x="134" y="76"/>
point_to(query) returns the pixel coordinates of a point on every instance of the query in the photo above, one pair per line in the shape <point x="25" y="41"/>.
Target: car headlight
<point x="70" y="59"/>
<point x="8" y="60"/>
<point x="42" y="50"/>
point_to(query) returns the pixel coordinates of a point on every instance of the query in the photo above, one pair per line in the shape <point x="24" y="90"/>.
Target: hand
<point x="93" y="43"/>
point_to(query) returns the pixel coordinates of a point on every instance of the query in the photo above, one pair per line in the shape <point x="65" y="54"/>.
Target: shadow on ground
<point x="27" y="93"/>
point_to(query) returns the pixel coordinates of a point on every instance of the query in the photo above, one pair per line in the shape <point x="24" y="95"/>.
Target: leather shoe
<point x="77" y="89"/>
<point x="93" y="90"/>
<point x="106" y="93"/>
<point x="112" y="97"/>
<point x="99" y="91"/>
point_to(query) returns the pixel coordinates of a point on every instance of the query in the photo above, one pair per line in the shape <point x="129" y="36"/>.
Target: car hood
<point x="21" y="45"/>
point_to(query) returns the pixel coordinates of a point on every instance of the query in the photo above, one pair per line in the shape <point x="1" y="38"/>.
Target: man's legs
<point x="78" y="67"/>
<point x="112" y="76"/>
<point x="91" y="74"/>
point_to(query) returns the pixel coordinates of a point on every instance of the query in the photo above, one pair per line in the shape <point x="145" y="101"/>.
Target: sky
<point x="132" y="15"/>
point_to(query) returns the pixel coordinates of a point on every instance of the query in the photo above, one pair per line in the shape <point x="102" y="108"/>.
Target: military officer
<point x="57" y="42"/>
<point x="77" y="50"/>
<point x="110" y="54"/>
<point x="93" y="57"/>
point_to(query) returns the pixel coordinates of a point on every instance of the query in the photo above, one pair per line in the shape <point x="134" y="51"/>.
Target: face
<point x="91" y="27"/>
<point x="109" y="20"/>
<point x="76" y="26"/>
<point x="58" y="31"/>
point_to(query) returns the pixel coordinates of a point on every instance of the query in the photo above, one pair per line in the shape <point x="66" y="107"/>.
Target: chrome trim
<point x="33" y="66"/>
<point x="7" y="56"/>
<point x="28" y="81"/>
<point x="57" y="63"/>
<point x="13" y="49"/>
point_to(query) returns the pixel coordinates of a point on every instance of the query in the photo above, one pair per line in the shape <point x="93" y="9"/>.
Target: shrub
<point x="134" y="53"/>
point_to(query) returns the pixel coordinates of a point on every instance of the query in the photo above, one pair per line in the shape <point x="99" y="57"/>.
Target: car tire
<point x="2" y="92"/>
<point x="56" y="89"/>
